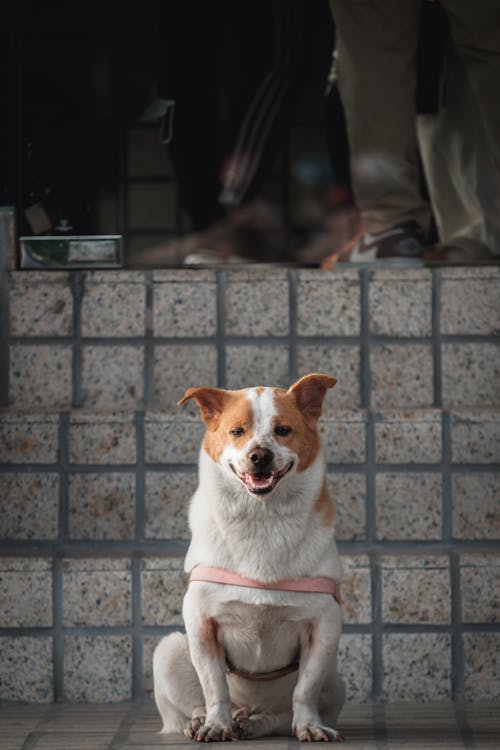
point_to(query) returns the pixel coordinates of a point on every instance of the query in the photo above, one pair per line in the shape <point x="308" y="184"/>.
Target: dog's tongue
<point x="259" y="481"/>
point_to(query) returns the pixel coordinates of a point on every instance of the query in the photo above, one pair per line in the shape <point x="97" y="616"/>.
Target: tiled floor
<point x="135" y="727"/>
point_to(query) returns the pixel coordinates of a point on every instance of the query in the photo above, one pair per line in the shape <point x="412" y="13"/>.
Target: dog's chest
<point x="258" y="637"/>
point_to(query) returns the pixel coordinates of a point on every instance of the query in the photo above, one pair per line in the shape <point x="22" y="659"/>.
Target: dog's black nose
<point x="261" y="457"/>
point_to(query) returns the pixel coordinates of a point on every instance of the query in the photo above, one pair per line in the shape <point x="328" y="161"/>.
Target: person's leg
<point x="475" y="29"/>
<point x="270" y="36"/>
<point x="460" y="175"/>
<point x="377" y="44"/>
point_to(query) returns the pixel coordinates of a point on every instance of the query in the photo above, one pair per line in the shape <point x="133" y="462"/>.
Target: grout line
<point x="137" y="684"/>
<point x="57" y="584"/>
<point x="457" y="652"/>
<point x="176" y="547"/>
<point x="379" y="726"/>
<point x="149" y="345"/>
<point x="464" y="727"/>
<point x="293" y="291"/>
<point x="57" y="630"/>
<point x="4" y="321"/>
<point x="235" y="339"/>
<point x="64" y="476"/>
<point x="220" y="338"/>
<point x="436" y="338"/>
<point x="365" y="340"/>
<point x="457" y="648"/>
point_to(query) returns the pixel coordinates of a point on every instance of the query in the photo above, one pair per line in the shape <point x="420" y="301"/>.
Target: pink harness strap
<point x="304" y="584"/>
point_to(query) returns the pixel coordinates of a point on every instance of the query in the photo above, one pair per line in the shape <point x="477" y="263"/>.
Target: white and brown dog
<point x="262" y="611"/>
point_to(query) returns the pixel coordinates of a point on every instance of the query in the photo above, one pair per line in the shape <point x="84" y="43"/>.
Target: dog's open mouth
<point x="261" y="482"/>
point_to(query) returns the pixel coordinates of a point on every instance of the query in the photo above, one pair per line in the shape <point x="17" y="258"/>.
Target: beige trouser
<point x="463" y="182"/>
<point x="377" y="42"/>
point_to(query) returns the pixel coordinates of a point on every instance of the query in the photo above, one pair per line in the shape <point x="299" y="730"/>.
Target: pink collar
<point x="304" y="584"/>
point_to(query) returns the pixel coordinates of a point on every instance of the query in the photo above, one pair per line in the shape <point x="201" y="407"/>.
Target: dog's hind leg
<point x="255" y="723"/>
<point x="177" y="690"/>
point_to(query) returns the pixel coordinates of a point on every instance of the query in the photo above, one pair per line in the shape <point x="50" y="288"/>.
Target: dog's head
<point x="260" y="436"/>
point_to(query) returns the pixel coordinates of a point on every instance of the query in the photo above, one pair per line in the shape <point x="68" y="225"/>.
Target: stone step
<point x="97" y="465"/>
<point x="131" y="340"/>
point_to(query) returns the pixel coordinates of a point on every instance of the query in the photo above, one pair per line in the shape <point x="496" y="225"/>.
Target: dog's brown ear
<point x="211" y="403"/>
<point x="309" y="393"/>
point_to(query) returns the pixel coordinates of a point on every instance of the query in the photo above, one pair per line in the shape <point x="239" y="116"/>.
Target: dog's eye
<point x="282" y="430"/>
<point x="238" y="432"/>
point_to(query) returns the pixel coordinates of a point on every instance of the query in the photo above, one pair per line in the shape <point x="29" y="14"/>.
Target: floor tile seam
<point x="306" y="339"/>
<point x="170" y="547"/>
<point x="293" y="367"/>
<point x="351" y="628"/>
<point x="4" y="322"/>
<point x="149" y="363"/>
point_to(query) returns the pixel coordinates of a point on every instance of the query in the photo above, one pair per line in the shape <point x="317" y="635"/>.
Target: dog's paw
<point x="193" y="726"/>
<point x="317" y="733"/>
<point x="213" y="731"/>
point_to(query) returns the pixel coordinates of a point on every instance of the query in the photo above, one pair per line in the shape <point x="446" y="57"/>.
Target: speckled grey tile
<point x="349" y="495"/>
<point x="97" y="669"/>
<point x="355" y="666"/>
<point x="172" y="441"/>
<point x="113" y="377"/>
<point x="356" y="589"/>
<point x="400" y="302"/>
<point x="481" y="667"/>
<point x="471" y="374"/>
<point x="167" y="501"/>
<point x="417" y="667"/>
<point x="40" y="376"/>
<point x="476" y="436"/>
<point x="402" y="376"/>
<point x="185" y="307"/>
<point x="480" y="587"/>
<point x="149" y="643"/>
<point x="28" y="439"/>
<point x="101" y="506"/>
<point x="409" y="506"/>
<point x="343" y="363"/>
<point x="257" y="306"/>
<point x="26" y="669"/>
<point x="49" y="311"/>
<point x="163" y="587"/>
<point x="470" y="305"/>
<point x="343" y="437"/>
<point x="25" y="592"/>
<point x="177" y="367"/>
<point x="476" y="505"/>
<point x="97" y="592"/>
<point x="114" y="306"/>
<point x="409" y="437"/>
<point x="257" y="364"/>
<point x="416" y="589"/>
<point x="98" y="440"/>
<point x="328" y="305"/>
<point x="30" y="506"/>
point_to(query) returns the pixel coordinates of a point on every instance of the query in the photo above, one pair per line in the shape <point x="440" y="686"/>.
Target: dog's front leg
<point x="319" y="643"/>
<point x="208" y="658"/>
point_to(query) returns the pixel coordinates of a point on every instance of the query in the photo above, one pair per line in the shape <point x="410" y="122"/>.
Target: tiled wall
<point x="97" y="465"/>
